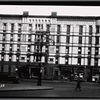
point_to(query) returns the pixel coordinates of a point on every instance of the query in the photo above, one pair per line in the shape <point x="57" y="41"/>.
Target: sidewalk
<point x="59" y="81"/>
<point x="21" y="87"/>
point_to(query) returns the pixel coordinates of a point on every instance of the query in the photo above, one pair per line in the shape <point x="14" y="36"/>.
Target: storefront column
<point x="91" y="72"/>
<point x="29" y="72"/>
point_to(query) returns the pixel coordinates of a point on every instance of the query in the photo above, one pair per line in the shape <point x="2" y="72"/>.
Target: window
<point x="51" y="59"/>
<point x="89" y="50"/>
<point x="10" y="47"/>
<point x="67" y="39"/>
<point x="58" y="39"/>
<point x="79" y="61"/>
<point x="96" y="61"/>
<point x="79" y="50"/>
<point x="89" y="53"/>
<point x="4" y="37"/>
<point x="4" y="27"/>
<point x="30" y="27"/>
<point x="10" y="58"/>
<point x="23" y="48"/>
<point x="97" y="40"/>
<point x="48" y="28"/>
<point x="67" y="50"/>
<point x="68" y="32"/>
<point x="23" y="37"/>
<point x="57" y="60"/>
<point x="58" y="32"/>
<point x="2" y="57"/>
<point x="19" y="37"/>
<point x="58" y="29"/>
<point x="90" y="40"/>
<point x="90" y="30"/>
<point x="68" y="29"/>
<point x="22" y="58"/>
<point x="97" y="29"/>
<point x="66" y="60"/>
<point x="19" y="28"/>
<point x="57" y="49"/>
<point x="80" y="30"/>
<point x="89" y="61"/>
<point x="39" y="27"/>
<point x="12" y="27"/>
<point x="96" y="50"/>
<point x="80" y="39"/>
<point x="29" y="38"/>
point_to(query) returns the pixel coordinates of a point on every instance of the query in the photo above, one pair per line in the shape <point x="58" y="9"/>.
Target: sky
<point x="46" y="10"/>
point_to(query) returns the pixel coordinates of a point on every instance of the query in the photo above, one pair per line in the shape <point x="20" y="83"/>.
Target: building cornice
<point x="46" y="16"/>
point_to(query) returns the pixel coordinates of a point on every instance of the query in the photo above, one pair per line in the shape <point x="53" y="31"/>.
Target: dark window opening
<point x="80" y="39"/>
<point x="12" y="27"/>
<point x="19" y="28"/>
<point x="51" y="59"/>
<point x="48" y="28"/>
<point x="80" y="30"/>
<point x="79" y="61"/>
<point x="4" y="27"/>
<point x="97" y="29"/>
<point x="58" y="29"/>
<point x="90" y="30"/>
<point x="97" y="40"/>
<point x="67" y="39"/>
<point x="22" y="58"/>
<point x="68" y="29"/>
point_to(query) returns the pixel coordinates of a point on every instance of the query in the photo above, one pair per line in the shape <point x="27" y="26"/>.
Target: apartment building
<point x="69" y="44"/>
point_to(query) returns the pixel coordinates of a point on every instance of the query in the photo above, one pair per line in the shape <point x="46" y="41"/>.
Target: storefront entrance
<point x="34" y="72"/>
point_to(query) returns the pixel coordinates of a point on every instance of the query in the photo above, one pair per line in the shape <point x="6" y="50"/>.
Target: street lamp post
<point x="39" y="55"/>
<point x="39" y="72"/>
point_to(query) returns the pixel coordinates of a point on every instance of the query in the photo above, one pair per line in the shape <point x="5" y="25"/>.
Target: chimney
<point x="54" y="14"/>
<point x="25" y="13"/>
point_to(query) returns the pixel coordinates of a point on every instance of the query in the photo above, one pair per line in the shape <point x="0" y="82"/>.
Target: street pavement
<point x="51" y="88"/>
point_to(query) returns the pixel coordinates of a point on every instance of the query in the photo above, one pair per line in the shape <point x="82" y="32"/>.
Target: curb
<point x="4" y="89"/>
<point x="24" y="89"/>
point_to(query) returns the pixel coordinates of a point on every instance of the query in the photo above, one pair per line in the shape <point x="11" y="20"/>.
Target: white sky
<point x="46" y="10"/>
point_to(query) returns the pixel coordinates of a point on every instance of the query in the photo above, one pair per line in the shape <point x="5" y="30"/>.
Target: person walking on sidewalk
<point x="78" y="85"/>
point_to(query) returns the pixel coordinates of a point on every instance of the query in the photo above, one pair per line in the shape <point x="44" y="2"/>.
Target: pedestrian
<point x="78" y="85"/>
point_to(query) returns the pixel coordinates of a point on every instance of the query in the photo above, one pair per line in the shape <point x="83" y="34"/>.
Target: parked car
<point x="8" y="77"/>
